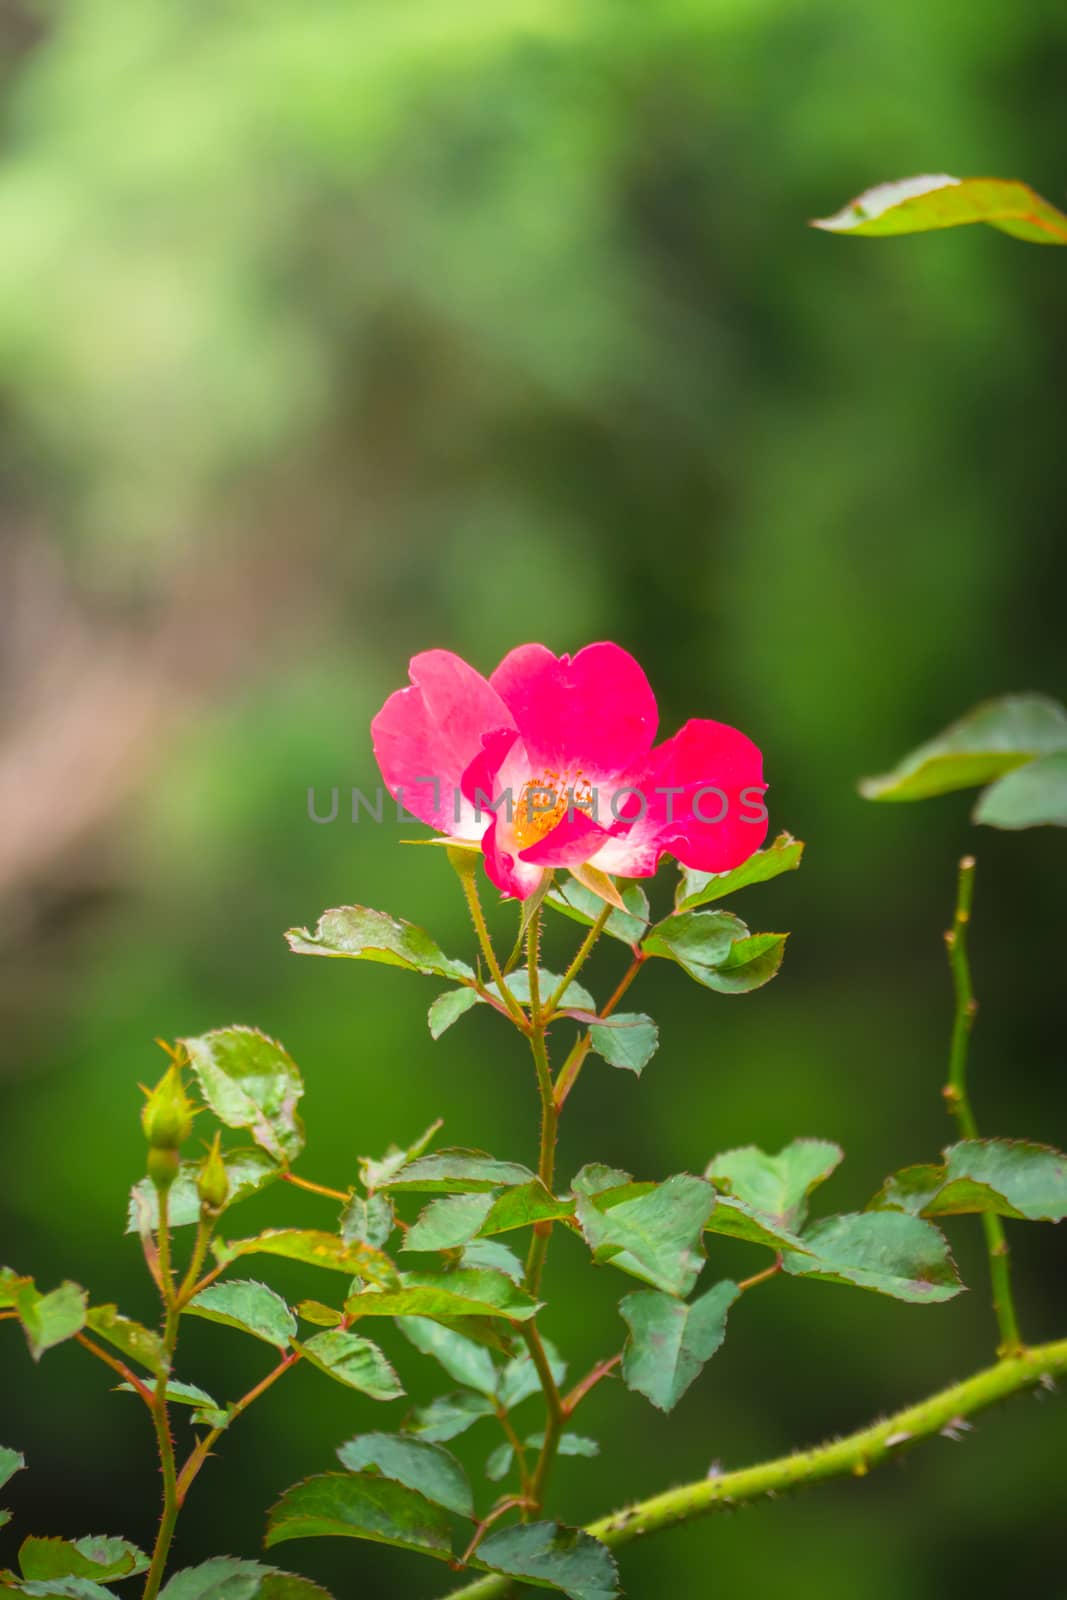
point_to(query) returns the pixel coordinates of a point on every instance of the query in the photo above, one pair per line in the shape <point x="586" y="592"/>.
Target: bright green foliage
<point x="375" y="936"/>
<point x="374" y="1174"/>
<point x="449" y="1007"/>
<point x="321" y="1316"/>
<point x="47" y="1319"/>
<point x="1029" y="797"/>
<point x="250" y="1081"/>
<point x="356" y="1362"/>
<point x="775" y="1187"/>
<point x="716" y="949"/>
<point x="449" y="1415"/>
<point x="736" y="1220"/>
<point x="430" y="1469"/>
<point x="140" y="1344"/>
<point x="227" y="1578"/>
<point x="247" y="1305"/>
<point x="327" y="1250"/>
<point x="97" y="1558"/>
<point x="700" y="888"/>
<point x="11" y="1461"/>
<point x="247" y="1171"/>
<point x="64" y="1589"/>
<point x="465" y="1292"/>
<point x="653" y="1231"/>
<point x="670" y="1341"/>
<point x="362" y="1506"/>
<point x="574" y="900"/>
<point x="519" y="984"/>
<point x="467" y="1362"/>
<point x="920" y="205"/>
<point x="369" y="1221"/>
<point x="205" y="1410"/>
<point x="494" y="1257"/>
<point x="886" y="1251"/>
<point x="457" y="1172"/>
<point x="994" y="738"/>
<point x="452" y="1221"/>
<point x="554" y="1557"/>
<point x="626" y="1039"/>
<point x="1007" y="1176"/>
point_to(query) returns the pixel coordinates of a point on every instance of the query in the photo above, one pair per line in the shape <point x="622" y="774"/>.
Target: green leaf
<point x="568" y="1444"/>
<point x="205" y="1410"/>
<point x="595" y="1177"/>
<point x="598" y="883"/>
<point x="520" y="1379"/>
<point x="449" y="1415"/>
<point x="581" y="905"/>
<point x="48" y="1319"/>
<point x="327" y="1250"/>
<point x="466" y="1292"/>
<point x="356" y="1362"/>
<point x="1030" y="797"/>
<point x="522" y="1206"/>
<point x="886" y="1251"/>
<point x="428" y="1468"/>
<point x="374" y="936"/>
<point x="375" y="1174"/>
<point x="919" y="205"/>
<point x="469" y="1363"/>
<point x="1007" y="1176"/>
<point x="990" y="740"/>
<point x="498" y="1462"/>
<point x="319" y="1315"/>
<point x="11" y="1461"/>
<point x="361" y="1506"/>
<point x="457" y="1172"/>
<point x="98" y="1558"/>
<point x="494" y="1257"/>
<point x="627" y="1039"/>
<point x="653" y="1231"/>
<point x="228" y="1578"/>
<point x="252" y="1082"/>
<point x="752" y="962"/>
<point x="776" y="1187"/>
<point x="670" y="1341"/>
<point x="140" y="1344"/>
<point x="697" y="940"/>
<point x="553" y="1557"/>
<point x="65" y="1589"/>
<point x="248" y="1171"/>
<point x="369" y="1221"/>
<point x="448" y="1008"/>
<point x="447" y="1223"/>
<point x="699" y="888"/>
<point x="248" y="1306"/>
<point x="736" y="1220"/>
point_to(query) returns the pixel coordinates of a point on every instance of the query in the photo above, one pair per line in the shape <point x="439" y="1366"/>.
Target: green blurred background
<point x="336" y="331"/>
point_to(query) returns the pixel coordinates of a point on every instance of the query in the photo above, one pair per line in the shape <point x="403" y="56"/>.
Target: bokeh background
<point x="331" y="332"/>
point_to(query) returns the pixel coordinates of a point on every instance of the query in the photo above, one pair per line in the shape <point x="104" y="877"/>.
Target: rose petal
<point x="714" y="769"/>
<point x="594" y="712"/>
<point x="574" y="840"/>
<point x="512" y="876"/>
<point x="427" y="736"/>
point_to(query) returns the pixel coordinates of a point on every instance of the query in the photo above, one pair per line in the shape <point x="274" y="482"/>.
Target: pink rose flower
<point x="550" y="763"/>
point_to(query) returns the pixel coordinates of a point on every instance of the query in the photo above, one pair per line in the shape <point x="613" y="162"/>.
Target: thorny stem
<point x="196" y="1261"/>
<point x="204" y="1447"/>
<point x="585" y="950"/>
<point x="573" y="1400"/>
<point x="553" y="1421"/>
<point x="518" y="1447"/>
<point x="959" y="1105"/>
<point x="135" y="1383"/>
<point x="568" y="1073"/>
<point x="512" y="1502"/>
<point x="343" y="1195"/>
<point x="466" y="869"/>
<point x="546" y="1167"/>
<point x="160" y="1414"/>
<point x="853" y="1456"/>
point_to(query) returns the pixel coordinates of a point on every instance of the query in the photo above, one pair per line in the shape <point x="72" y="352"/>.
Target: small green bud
<point x="163" y="1167"/>
<point x="167" y="1114"/>
<point x="213" y="1182"/>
